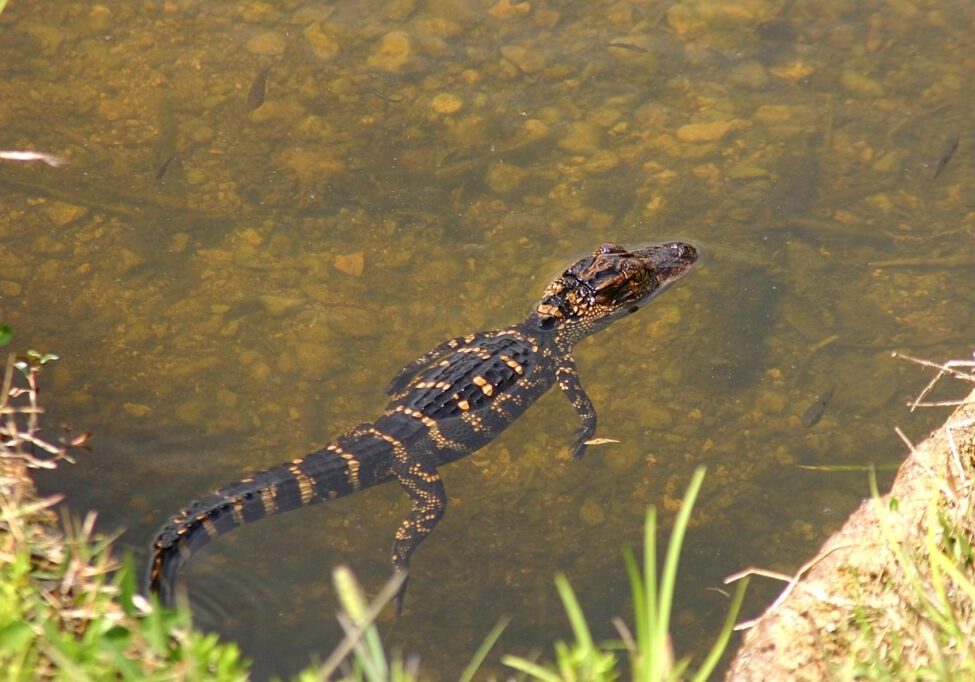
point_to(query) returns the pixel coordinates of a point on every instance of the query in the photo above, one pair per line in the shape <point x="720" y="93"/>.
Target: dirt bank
<point x="868" y="597"/>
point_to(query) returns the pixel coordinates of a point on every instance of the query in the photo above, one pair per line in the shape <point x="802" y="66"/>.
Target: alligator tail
<point x="350" y="463"/>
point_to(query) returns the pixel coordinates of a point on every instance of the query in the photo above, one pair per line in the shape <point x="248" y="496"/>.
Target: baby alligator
<point x="445" y="405"/>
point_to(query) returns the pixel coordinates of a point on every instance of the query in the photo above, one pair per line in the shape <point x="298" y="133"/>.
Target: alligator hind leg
<point x="429" y="498"/>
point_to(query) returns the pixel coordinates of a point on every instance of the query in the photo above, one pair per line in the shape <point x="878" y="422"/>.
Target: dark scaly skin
<point x="444" y="405"/>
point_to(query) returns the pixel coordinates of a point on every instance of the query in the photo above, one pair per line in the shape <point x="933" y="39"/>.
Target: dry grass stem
<point x="792" y="580"/>
<point x="946" y="368"/>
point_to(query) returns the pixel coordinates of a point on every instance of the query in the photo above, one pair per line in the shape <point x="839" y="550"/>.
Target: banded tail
<point x="345" y="466"/>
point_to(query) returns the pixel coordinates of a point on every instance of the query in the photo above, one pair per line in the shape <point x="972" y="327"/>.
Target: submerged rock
<point x="393" y="52"/>
<point x="270" y="43"/>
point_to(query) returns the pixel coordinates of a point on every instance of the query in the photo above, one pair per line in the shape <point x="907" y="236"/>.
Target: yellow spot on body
<point x="474" y="421"/>
<point x="488" y="389"/>
<point x="545" y="309"/>
<point x="513" y="364"/>
<point x="464" y="405"/>
<point x="210" y="528"/>
<point x="479" y="380"/>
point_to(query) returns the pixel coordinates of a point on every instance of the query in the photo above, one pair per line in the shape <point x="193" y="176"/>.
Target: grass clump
<point x="917" y="619"/>
<point x="68" y="608"/>
<point x="651" y="657"/>
<point x="922" y="628"/>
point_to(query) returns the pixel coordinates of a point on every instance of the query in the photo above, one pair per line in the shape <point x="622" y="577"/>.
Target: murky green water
<point x="231" y="285"/>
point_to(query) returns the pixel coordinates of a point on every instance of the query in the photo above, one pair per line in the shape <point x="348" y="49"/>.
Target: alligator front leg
<point x="568" y="378"/>
<point x="429" y="498"/>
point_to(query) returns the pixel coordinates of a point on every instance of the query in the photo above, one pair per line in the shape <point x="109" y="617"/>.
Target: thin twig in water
<point x="943" y="369"/>
<point x="625" y="633"/>
<point x="793" y="581"/>
<point x="50" y="159"/>
<point x="943" y="403"/>
<point x="354" y="634"/>
<point x="903" y="437"/>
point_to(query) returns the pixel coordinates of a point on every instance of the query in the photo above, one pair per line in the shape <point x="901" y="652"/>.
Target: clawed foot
<point x="401" y="592"/>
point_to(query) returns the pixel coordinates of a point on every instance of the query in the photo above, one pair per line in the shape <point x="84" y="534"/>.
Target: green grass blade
<point x="888" y="466"/>
<point x="127" y="586"/>
<point x="669" y="576"/>
<point x="721" y="643"/>
<point x="572" y="609"/>
<point x="904" y="561"/>
<point x="945" y="564"/>
<point x="347" y="588"/>
<point x="650" y="644"/>
<point x="529" y="668"/>
<point x="482" y="651"/>
<point x="353" y="600"/>
<point x="639" y="599"/>
<point x="936" y="577"/>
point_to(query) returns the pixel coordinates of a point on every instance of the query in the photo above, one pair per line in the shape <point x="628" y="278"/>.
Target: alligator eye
<point x="634" y="268"/>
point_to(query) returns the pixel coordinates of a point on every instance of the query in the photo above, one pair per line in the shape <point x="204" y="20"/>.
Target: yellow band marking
<point x="305" y="487"/>
<point x="210" y="528"/>
<point x="238" y="508"/>
<point x="352" y="464"/>
<point x="267" y="499"/>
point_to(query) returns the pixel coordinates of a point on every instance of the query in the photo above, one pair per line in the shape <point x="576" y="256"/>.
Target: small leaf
<point x="118" y="634"/>
<point x="6" y="334"/>
<point x="37" y="359"/>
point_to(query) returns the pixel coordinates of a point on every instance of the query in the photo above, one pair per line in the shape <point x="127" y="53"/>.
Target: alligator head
<point x="609" y="284"/>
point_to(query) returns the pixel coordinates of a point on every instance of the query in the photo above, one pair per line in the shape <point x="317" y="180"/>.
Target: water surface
<point x="271" y="207"/>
